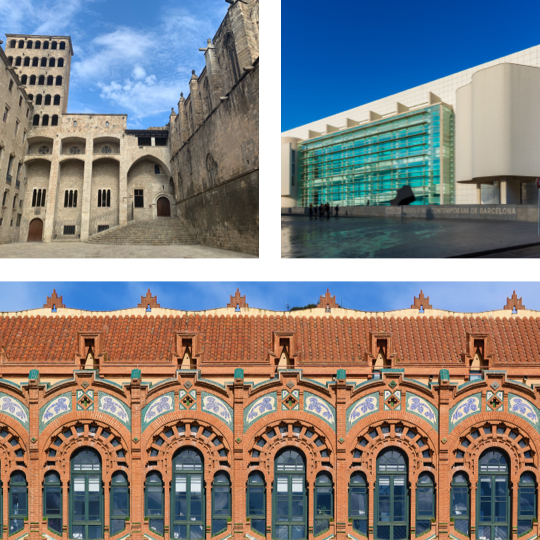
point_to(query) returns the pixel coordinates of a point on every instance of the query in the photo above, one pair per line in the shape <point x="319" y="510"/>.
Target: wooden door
<point x="163" y="207"/>
<point x="35" y="231"/>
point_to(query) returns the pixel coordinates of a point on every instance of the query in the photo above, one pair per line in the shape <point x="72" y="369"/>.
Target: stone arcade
<point x="239" y="422"/>
<point x="88" y="177"/>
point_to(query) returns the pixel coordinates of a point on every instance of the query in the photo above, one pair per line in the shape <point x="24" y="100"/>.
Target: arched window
<point x="86" y="496"/>
<point x="45" y="121"/>
<point x="18" y="502"/>
<point x="35" y="61"/>
<point x="43" y="62"/>
<point x="31" y="97"/>
<point x="156" y="169"/>
<point x="62" y="45"/>
<point x="10" y="60"/>
<point x="290" y="497"/>
<point x="59" y="81"/>
<point x="60" y="62"/>
<point x="221" y="502"/>
<point x="50" y="80"/>
<point x="52" y="501"/>
<point x="32" y="80"/>
<point x="54" y="45"/>
<point x="47" y="99"/>
<point x="75" y="199"/>
<point x="24" y="79"/>
<point x="233" y="60"/>
<point x="21" y="44"/>
<point x="154" y="502"/>
<point x="36" y="120"/>
<point x="54" y="121"/>
<point x="187" y="497"/>
<point x="12" y="43"/>
<point x="391" y="497"/>
<point x="38" y="45"/>
<point x="29" y="44"/>
<point x="358" y="503"/>
<point x="526" y="503"/>
<point x="66" y="199"/>
<point x="256" y="502"/>
<point x="41" y="80"/>
<point x="425" y="503"/>
<point x="39" y="99"/>
<point x="323" y="503"/>
<point x="45" y="45"/>
<point x="52" y="62"/>
<point x="459" y="503"/>
<point x="119" y="501"/>
<point x="27" y="61"/>
<point x="18" y="61"/>
<point x="493" y="496"/>
<point x="57" y="99"/>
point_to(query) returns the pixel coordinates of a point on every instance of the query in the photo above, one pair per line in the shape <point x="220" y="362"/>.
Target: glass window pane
<point x="297" y="484"/>
<point x="119" y="501"/>
<point x="256" y="501"/>
<point x="323" y="502"/>
<point x="55" y="524"/>
<point x="282" y="484"/>
<point x="221" y="501"/>
<point x="52" y="501"/>
<point x="196" y="484"/>
<point x="181" y="484"/>
<point x="154" y="503"/>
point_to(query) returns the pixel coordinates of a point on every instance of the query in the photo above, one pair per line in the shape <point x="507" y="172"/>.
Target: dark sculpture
<point x="404" y="196"/>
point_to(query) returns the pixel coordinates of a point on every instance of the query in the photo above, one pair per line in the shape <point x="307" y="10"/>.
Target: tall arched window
<point x="45" y="44"/>
<point x="233" y="60"/>
<point x="43" y="62"/>
<point x="358" y="503"/>
<point x="54" y="121"/>
<point x="86" y="496"/>
<point x="18" y="61"/>
<point x="60" y="62"/>
<point x="27" y="61"/>
<point x="52" y="501"/>
<point x="425" y="503"/>
<point x="526" y="503"/>
<point x="39" y="99"/>
<point x="391" y="496"/>
<point x="256" y="502"/>
<point x="323" y="503"/>
<point x="45" y="121"/>
<point x="35" y="61"/>
<point x="32" y="80"/>
<point x="459" y="503"/>
<point x="154" y="502"/>
<point x="24" y="79"/>
<point x="35" y="122"/>
<point x="29" y="44"/>
<point x="38" y="44"/>
<point x="290" y="497"/>
<point x="18" y="501"/>
<point x="41" y="80"/>
<point x="47" y="99"/>
<point x="57" y="99"/>
<point x="221" y="502"/>
<point x="493" y="497"/>
<point x="50" y="80"/>
<point x="54" y="45"/>
<point x="59" y="81"/>
<point x="10" y="60"/>
<point x="52" y="62"/>
<point x="187" y="497"/>
<point x="12" y="43"/>
<point x="62" y="45"/>
<point x="119" y="501"/>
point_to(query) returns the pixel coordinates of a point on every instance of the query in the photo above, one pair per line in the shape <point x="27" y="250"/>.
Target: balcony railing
<point x="8" y="178"/>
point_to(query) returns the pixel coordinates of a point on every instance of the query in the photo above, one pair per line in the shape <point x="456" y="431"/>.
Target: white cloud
<point x="139" y="72"/>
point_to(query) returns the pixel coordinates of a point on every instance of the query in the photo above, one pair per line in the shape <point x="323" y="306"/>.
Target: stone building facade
<point x="240" y="422"/>
<point x="86" y="174"/>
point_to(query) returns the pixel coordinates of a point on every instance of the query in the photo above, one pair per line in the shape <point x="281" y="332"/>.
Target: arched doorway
<point x="187" y="497"/>
<point x="35" y="231"/>
<point x="290" y="496"/>
<point x="392" y="510"/>
<point x="493" y="498"/>
<point x="163" y="207"/>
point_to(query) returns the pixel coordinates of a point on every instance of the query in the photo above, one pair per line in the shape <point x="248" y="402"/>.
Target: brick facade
<point x="355" y="383"/>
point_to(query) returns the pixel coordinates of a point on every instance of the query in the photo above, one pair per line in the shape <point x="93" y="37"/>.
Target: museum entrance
<point x="163" y="207"/>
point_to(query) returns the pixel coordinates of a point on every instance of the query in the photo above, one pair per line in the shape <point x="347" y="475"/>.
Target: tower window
<point x="139" y="198"/>
<point x="104" y="198"/>
<point x="60" y="62"/>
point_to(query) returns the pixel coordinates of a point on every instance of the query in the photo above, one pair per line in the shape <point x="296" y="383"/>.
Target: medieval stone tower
<point x="43" y="64"/>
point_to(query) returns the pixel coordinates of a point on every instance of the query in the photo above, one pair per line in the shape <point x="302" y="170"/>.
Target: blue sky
<point x="131" y="56"/>
<point x="338" y="56"/>
<point x="366" y="296"/>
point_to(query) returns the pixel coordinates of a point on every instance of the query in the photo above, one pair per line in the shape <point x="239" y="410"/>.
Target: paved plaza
<point x="81" y="250"/>
<point x="403" y="238"/>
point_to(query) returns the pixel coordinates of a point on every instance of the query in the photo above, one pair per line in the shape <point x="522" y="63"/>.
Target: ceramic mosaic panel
<point x="264" y="405"/>
<point x="422" y="408"/>
<point x="363" y="407"/>
<point x="114" y="407"/>
<point x="57" y="407"/>
<point x="524" y="408"/>
<point x="16" y="409"/>
<point x="321" y="408"/>
<point x="187" y="405"/>
<point x="489" y="397"/>
<point x="213" y="405"/>
<point x="158" y="407"/>
<point x="285" y="394"/>
<point x="465" y="408"/>
<point x="397" y="395"/>
<point x="89" y="395"/>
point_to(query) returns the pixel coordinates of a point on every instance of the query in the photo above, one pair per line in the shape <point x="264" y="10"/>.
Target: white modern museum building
<point x="469" y="138"/>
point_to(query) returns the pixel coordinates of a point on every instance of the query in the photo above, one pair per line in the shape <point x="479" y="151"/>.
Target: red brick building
<point x="240" y="422"/>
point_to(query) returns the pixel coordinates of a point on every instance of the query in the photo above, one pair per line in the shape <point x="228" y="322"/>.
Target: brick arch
<point x="512" y="447"/>
<point x="108" y="452"/>
<point x="394" y="417"/>
<point x="9" y="461"/>
<point x="205" y="444"/>
<point x="300" y="417"/>
<point x="314" y="462"/>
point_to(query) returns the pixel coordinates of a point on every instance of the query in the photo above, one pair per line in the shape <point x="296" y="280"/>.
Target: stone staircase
<point x="158" y="232"/>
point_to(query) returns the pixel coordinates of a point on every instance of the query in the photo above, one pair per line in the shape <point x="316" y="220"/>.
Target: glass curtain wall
<point x="368" y="164"/>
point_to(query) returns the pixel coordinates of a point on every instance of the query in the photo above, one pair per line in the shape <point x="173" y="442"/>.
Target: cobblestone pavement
<point x="396" y="238"/>
<point x="81" y="250"/>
